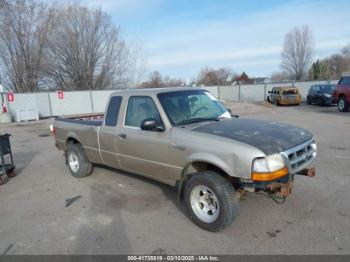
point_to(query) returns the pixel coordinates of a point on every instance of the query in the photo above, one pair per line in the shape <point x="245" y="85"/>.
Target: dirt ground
<point x="121" y="213"/>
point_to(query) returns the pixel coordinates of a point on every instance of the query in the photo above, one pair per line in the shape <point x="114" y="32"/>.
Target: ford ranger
<point x="185" y="137"/>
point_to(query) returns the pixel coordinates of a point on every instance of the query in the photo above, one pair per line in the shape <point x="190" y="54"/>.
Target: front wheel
<point x="343" y="105"/>
<point x="78" y="163"/>
<point x="210" y="201"/>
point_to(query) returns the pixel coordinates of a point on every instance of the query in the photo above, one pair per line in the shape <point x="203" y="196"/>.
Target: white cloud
<point x="252" y="43"/>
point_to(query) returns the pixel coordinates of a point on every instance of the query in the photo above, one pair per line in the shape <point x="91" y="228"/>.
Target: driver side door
<point x="140" y="151"/>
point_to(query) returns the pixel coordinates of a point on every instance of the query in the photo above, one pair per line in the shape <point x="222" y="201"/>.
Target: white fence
<point x="86" y="102"/>
<point x="258" y="92"/>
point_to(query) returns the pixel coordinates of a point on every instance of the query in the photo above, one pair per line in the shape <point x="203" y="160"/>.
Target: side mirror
<point x="269" y="92"/>
<point x="230" y="111"/>
<point x="151" y="124"/>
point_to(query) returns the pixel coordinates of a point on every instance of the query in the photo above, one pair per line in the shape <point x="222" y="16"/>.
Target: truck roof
<point x="153" y="91"/>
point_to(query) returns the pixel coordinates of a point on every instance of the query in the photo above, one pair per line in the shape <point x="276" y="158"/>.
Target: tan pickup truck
<point x="186" y="138"/>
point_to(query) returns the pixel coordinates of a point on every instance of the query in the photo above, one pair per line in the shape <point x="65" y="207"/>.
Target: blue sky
<point x="179" y="37"/>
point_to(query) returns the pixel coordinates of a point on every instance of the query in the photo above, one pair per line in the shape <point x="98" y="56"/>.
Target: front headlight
<point x="268" y="164"/>
<point x="327" y="95"/>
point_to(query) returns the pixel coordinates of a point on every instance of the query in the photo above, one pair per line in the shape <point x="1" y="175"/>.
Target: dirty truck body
<point x="187" y="138"/>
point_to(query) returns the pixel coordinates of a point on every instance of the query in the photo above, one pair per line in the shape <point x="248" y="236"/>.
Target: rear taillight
<point x="52" y="130"/>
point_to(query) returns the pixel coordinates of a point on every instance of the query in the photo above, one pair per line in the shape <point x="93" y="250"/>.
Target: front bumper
<point x="328" y="101"/>
<point x="282" y="186"/>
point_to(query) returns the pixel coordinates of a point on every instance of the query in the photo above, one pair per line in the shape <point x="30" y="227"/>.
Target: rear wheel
<point x="78" y="163"/>
<point x="343" y="105"/>
<point x="11" y="174"/>
<point x="210" y="201"/>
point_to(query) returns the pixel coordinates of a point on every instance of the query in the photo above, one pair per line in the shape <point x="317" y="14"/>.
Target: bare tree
<point x="210" y="76"/>
<point x="86" y="50"/>
<point x="337" y="64"/>
<point x="279" y="77"/>
<point x="156" y="81"/>
<point x="297" y="52"/>
<point x="137" y="63"/>
<point x="24" y="29"/>
<point x="224" y="75"/>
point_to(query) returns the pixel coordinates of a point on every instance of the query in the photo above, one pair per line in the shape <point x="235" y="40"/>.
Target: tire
<point x="308" y="100"/>
<point x="79" y="165"/>
<point x="223" y="208"/>
<point x="11" y="174"/>
<point x="268" y="99"/>
<point x="343" y="104"/>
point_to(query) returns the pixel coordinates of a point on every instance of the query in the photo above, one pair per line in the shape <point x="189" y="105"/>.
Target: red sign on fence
<point x="4" y="109"/>
<point x="10" y="97"/>
<point x="60" y="94"/>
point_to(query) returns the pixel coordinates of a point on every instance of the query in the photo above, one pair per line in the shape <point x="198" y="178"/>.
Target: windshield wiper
<point x="196" y="120"/>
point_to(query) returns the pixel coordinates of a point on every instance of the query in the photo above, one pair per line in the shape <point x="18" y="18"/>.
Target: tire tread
<point x="224" y="191"/>
<point x="86" y="166"/>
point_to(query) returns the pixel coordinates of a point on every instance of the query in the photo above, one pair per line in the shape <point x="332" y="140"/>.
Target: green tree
<point x="319" y="71"/>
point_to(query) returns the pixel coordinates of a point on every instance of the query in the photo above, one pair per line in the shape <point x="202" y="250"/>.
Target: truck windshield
<point x="190" y="106"/>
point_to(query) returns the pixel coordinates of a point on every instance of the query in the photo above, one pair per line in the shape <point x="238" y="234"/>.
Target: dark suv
<point x="320" y="95"/>
<point x="341" y="94"/>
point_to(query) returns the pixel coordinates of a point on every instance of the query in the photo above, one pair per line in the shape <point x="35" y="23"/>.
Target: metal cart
<point x="5" y="149"/>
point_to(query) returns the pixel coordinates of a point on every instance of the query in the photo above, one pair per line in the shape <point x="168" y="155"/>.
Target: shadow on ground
<point x="103" y="229"/>
<point x="22" y="160"/>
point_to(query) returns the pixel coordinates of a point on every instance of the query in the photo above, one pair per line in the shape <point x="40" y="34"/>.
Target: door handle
<point x="123" y="136"/>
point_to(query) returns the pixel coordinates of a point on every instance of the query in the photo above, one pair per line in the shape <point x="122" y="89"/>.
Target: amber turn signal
<point x="269" y="176"/>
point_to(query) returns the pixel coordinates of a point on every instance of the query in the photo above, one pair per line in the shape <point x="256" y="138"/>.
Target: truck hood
<point x="268" y="136"/>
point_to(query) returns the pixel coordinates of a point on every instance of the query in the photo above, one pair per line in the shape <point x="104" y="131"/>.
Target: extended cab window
<point x="113" y="111"/>
<point x="139" y="109"/>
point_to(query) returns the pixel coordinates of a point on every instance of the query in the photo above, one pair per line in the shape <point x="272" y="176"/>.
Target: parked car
<point x="320" y="95"/>
<point x="341" y="94"/>
<point x="284" y="96"/>
<point x="186" y="138"/>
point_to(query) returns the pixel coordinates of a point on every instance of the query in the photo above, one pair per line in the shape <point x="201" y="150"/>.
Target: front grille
<point x="299" y="157"/>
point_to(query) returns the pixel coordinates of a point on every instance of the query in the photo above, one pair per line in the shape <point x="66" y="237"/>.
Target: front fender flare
<point x="206" y="158"/>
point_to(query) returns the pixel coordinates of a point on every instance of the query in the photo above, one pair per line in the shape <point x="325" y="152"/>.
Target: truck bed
<point x="82" y="128"/>
<point x="91" y="120"/>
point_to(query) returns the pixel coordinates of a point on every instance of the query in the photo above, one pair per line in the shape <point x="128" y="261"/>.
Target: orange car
<point x="284" y="96"/>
